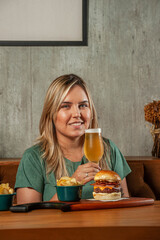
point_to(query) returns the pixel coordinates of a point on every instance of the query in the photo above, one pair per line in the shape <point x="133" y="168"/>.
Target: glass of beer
<point x="93" y="145"/>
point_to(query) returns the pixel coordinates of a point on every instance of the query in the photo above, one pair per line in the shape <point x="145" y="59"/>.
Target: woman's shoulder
<point x="112" y="146"/>
<point x="33" y="152"/>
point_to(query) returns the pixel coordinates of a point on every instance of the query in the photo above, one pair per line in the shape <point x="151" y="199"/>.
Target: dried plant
<point x="152" y="115"/>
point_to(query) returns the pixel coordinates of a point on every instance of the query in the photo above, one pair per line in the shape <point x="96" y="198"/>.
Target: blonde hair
<point x="51" y="150"/>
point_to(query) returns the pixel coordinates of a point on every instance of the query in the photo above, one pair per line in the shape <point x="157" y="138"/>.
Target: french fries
<point x="5" y="189"/>
<point x="68" y="181"/>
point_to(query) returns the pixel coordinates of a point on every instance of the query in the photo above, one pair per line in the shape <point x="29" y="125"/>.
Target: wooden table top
<point x="122" y="223"/>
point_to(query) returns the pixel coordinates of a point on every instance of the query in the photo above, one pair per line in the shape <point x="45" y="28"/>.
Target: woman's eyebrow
<point x="66" y="102"/>
<point x="85" y="101"/>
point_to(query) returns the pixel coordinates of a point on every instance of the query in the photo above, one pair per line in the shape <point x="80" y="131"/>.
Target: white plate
<point x="92" y="199"/>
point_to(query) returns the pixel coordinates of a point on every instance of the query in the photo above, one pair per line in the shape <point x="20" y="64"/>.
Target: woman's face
<point x="74" y="115"/>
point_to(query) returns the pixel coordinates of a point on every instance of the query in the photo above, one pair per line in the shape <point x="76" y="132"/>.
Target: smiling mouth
<point x="76" y="124"/>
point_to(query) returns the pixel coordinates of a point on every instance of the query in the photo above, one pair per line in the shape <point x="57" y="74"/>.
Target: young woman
<point x="68" y="110"/>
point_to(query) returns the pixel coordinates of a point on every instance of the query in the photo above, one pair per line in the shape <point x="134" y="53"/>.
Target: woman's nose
<point x="76" y="112"/>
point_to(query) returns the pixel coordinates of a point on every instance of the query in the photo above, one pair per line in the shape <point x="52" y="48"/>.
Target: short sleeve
<point x="119" y="163"/>
<point x="30" y="173"/>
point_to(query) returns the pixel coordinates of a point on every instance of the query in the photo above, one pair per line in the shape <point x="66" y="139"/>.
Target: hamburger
<point x="107" y="185"/>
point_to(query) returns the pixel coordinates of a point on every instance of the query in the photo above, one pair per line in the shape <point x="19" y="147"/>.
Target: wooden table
<point x="122" y="223"/>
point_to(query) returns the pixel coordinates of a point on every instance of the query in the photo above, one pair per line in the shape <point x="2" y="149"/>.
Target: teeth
<point x="76" y="124"/>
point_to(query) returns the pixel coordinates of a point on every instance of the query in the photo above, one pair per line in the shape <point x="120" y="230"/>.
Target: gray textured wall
<point x="121" y="65"/>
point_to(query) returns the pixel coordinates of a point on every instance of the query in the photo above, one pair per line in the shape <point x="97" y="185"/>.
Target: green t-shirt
<point x="32" y="173"/>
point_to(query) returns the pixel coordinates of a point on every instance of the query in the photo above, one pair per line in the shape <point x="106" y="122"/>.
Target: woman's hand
<point x="86" y="172"/>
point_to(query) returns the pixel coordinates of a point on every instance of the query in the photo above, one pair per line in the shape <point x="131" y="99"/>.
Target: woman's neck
<point x="72" y="149"/>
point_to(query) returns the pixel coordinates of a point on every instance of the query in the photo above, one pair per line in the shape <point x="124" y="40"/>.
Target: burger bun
<point x="107" y="196"/>
<point x="107" y="175"/>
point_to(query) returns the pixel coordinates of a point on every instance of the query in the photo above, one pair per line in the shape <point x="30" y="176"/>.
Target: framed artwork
<point x="43" y="22"/>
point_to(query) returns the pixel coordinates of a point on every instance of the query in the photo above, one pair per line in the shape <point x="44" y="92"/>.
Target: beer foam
<point x="93" y="130"/>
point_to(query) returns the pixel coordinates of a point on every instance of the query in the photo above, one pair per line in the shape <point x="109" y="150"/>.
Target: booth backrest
<point x="8" y="171"/>
<point x="143" y="181"/>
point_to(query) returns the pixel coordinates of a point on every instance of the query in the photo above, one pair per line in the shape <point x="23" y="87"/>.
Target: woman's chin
<point x="77" y="134"/>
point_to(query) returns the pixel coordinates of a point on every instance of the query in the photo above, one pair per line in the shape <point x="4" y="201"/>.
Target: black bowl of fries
<point x="69" y="190"/>
<point x="6" y="196"/>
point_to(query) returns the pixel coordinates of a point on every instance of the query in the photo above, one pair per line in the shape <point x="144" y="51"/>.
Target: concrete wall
<point x="120" y="64"/>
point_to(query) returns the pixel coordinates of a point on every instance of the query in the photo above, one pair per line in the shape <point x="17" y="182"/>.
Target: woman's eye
<point x="65" y="106"/>
<point x="83" y="105"/>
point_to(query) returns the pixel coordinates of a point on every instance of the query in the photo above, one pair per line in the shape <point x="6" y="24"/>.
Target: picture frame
<point x="44" y="23"/>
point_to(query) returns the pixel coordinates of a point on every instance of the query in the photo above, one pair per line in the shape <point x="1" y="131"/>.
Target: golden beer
<point x="93" y="145"/>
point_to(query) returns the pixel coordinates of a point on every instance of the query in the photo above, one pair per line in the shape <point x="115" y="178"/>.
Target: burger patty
<point x="104" y="182"/>
<point x="107" y="190"/>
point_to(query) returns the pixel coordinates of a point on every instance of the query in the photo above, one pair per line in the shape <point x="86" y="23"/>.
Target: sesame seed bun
<point x="107" y="175"/>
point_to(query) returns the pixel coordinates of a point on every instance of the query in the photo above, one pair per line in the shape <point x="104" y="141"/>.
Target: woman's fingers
<point x="91" y="164"/>
<point x="91" y="170"/>
<point x="87" y="179"/>
<point x="86" y="172"/>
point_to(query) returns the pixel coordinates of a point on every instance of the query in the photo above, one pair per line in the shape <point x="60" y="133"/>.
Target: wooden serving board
<point x="94" y="204"/>
<point x="83" y="205"/>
